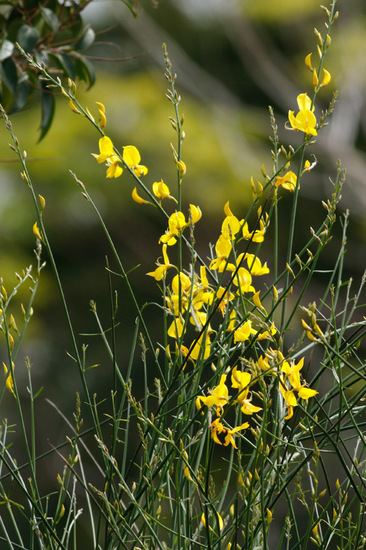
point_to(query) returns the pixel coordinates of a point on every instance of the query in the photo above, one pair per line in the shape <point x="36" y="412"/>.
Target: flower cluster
<point x="274" y="363"/>
<point x="219" y="397"/>
<point x="131" y="157"/>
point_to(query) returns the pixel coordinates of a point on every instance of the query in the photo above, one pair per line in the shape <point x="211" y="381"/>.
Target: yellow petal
<point x="227" y="210"/>
<point x="326" y="78"/>
<point x="308" y="62"/>
<point x="196" y="213"/>
<point x="131" y="155"/>
<point x="136" y="197"/>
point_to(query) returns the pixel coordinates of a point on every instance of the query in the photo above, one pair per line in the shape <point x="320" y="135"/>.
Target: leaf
<point x="23" y="92"/>
<point x="86" y="39"/>
<point x="85" y="71"/>
<point x="6" y="49"/>
<point x="50" y="19"/>
<point x="9" y="74"/>
<point x="65" y="63"/>
<point x="132" y="5"/>
<point x="28" y="37"/>
<point x="48" y="110"/>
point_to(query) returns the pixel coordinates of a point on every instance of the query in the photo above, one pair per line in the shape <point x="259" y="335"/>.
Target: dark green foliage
<point x="55" y="34"/>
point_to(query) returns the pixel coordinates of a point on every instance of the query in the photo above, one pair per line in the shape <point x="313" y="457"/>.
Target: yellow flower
<point x="136" y="197"/>
<point x="288" y="181"/>
<point x="197" y="348"/>
<point x="219" y="396"/>
<point x="243" y="279"/>
<point x="176" y="223"/>
<point x="230" y="227"/>
<point x="305" y="120"/>
<point x="161" y="190"/>
<point x="223" y="248"/>
<point x="290" y="383"/>
<point x="161" y="270"/>
<point x="217" y="428"/>
<point x="37" y="232"/>
<point x="244" y="332"/>
<point x="257" y="236"/>
<point x="255" y="265"/>
<point x="9" y="378"/>
<point x="308" y="62"/>
<point x="132" y="158"/>
<point x="196" y="213"/>
<point x="267" y="334"/>
<point x="221" y="523"/>
<point x="326" y="78"/>
<point x="176" y="328"/>
<point x="107" y="155"/>
<point x="103" y="118"/>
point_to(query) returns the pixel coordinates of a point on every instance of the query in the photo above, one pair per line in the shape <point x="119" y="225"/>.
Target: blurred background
<point x="232" y="60"/>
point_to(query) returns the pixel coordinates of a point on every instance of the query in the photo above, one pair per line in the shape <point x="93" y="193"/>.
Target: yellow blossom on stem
<point x="241" y="381"/>
<point x="37" y="232"/>
<point x="176" y="328"/>
<point x="255" y="265"/>
<point x="288" y="181"/>
<point x="221" y="523"/>
<point x="107" y="155"/>
<point x="102" y="116"/>
<point x="218" y="397"/>
<point x="244" y="332"/>
<point x="9" y="378"/>
<point x="267" y="334"/>
<point x="223" y="248"/>
<point x="176" y="224"/>
<point x="225" y="297"/>
<point x="161" y="270"/>
<point x="305" y="120"/>
<point x="243" y="278"/>
<point x="161" y="190"/>
<point x="308" y="62"/>
<point x="136" y="197"/>
<point x="326" y="78"/>
<point x="290" y="383"/>
<point x="230" y="227"/>
<point x="132" y="158"/>
<point x="217" y="428"/>
<point x="256" y="236"/>
<point x="202" y="343"/>
<point x="196" y="213"/>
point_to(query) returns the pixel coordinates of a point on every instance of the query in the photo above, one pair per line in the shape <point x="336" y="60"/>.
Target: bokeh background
<point x="232" y="60"/>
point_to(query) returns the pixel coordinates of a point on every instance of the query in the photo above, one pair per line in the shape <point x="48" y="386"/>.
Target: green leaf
<point x="48" y="110"/>
<point x="86" y="39"/>
<point x="132" y="5"/>
<point x="6" y="49"/>
<point x="28" y="37"/>
<point x="85" y="71"/>
<point x="23" y="92"/>
<point x="65" y="63"/>
<point x="50" y="19"/>
<point x="9" y="74"/>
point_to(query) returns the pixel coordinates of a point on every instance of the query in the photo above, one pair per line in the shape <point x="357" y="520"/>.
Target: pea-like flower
<point x="305" y="120"/>
<point x="132" y="158"/>
<point x="161" y="270"/>
<point x="288" y="181"/>
<point x="218" y="428"/>
<point x="244" y="332"/>
<point x="290" y="383"/>
<point x="108" y="155"/>
<point x="219" y="396"/>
